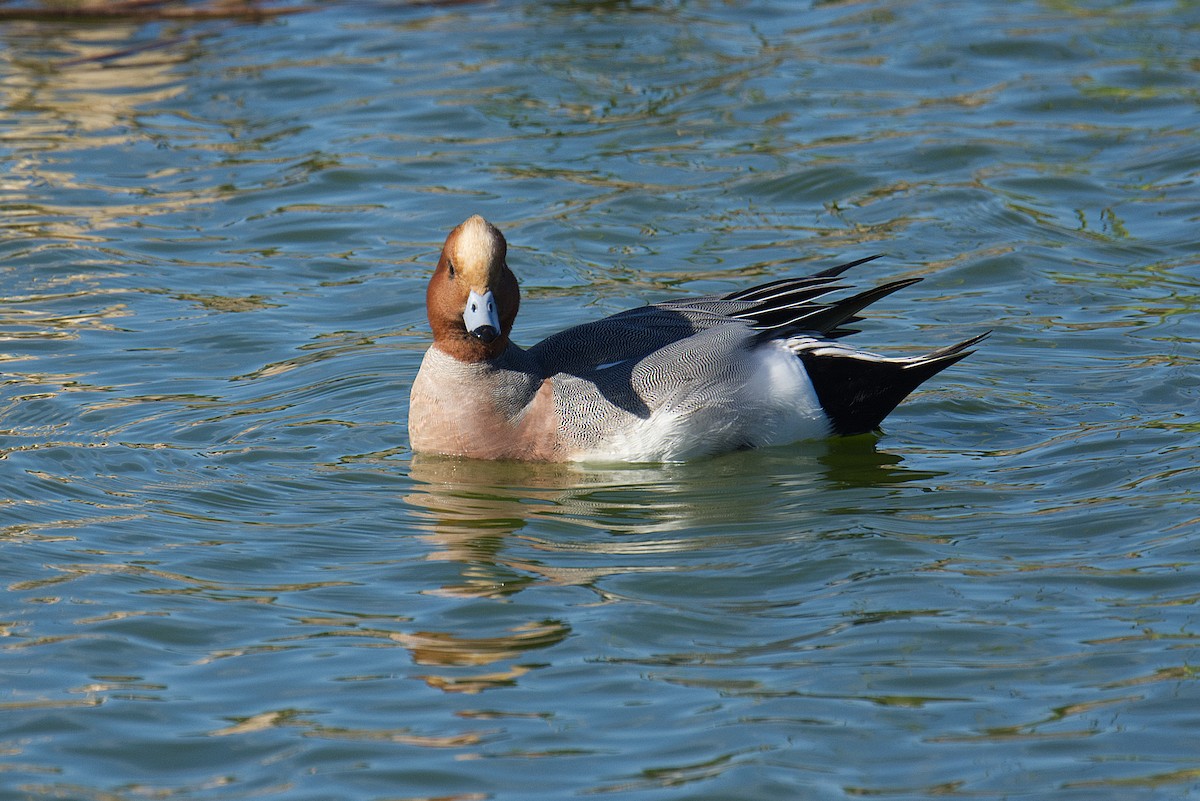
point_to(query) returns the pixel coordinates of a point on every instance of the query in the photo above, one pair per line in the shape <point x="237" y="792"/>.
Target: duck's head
<point x="472" y="297"/>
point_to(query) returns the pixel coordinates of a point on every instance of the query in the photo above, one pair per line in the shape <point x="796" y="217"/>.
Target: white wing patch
<point x="828" y="347"/>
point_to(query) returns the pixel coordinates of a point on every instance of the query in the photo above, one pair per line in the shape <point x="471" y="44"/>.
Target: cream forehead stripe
<point x="477" y="250"/>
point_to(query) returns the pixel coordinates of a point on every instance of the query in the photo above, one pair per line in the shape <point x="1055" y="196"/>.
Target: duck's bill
<point x="480" y="316"/>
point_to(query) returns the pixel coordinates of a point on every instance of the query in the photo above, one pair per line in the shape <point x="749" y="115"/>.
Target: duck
<point x="673" y="381"/>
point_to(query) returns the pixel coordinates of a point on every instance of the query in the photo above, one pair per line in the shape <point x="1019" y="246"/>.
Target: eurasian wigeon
<point x="667" y="382"/>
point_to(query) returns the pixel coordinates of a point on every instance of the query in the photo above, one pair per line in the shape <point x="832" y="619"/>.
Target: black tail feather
<point x="776" y="322"/>
<point x="834" y="272"/>
<point x="858" y="391"/>
<point x="959" y="348"/>
<point x="834" y="315"/>
<point x="821" y="279"/>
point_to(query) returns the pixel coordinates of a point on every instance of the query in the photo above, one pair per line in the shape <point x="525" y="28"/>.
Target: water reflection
<point x="452" y="657"/>
<point x="95" y="113"/>
<point x="469" y="511"/>
<point x="61" y="102"/>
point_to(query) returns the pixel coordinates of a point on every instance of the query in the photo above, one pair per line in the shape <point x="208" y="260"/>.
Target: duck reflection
<point x="468" y="510"/>
<point x="511" y="526"/>
<point x="442" y="649"/>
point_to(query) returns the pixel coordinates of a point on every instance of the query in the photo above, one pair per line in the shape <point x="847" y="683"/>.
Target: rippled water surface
<point x="223" y="575"/>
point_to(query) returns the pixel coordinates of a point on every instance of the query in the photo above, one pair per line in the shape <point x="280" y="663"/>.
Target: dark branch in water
<point x="148" y="11"/>
<point x="232" y="11"/>
<point x="173" y="10"/>
<point x="123" y="52"/>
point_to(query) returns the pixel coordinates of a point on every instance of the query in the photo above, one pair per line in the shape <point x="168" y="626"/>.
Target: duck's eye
<point x="450" y="266"/>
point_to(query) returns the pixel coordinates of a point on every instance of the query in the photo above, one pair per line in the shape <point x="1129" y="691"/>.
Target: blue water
<point x="223" y="574"/>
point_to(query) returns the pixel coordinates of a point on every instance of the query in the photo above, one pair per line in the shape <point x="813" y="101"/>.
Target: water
<point x="226" y="577"/>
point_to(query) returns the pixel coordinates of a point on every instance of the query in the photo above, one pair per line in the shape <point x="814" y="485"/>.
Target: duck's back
<point x="669" y="383"/>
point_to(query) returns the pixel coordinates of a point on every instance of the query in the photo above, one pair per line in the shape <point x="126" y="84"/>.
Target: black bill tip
<point x="486" y="334"/>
